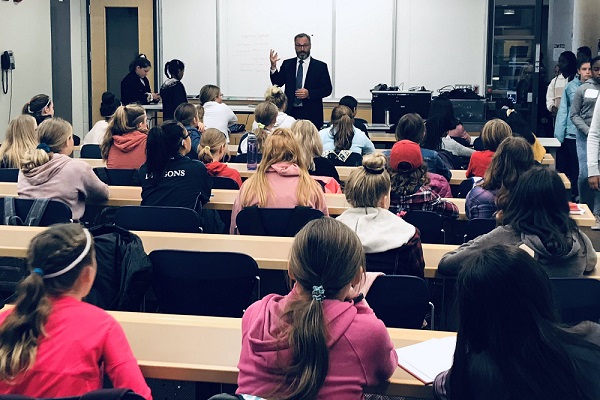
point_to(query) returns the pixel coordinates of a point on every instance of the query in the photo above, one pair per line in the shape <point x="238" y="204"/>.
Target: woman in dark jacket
<point x="135" y="87"/>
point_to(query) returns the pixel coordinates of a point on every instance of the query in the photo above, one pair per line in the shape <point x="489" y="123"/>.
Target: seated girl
<point x="47" y="171"/>
<point x="510" y="344"/>
<point x="212" y="149"/>
<point x="20" y="138"/>
<point x="410" y="189"/>
<point x="343" y="143"/>
<point x="520" y="127"/>
<point x="107" y="109"/>
<point x="492" y="134"/>
<point x="536" y="215"/>
<point x="392" y="245"/>
<point x="52" y="344"/>
<point x="513" y="158"/>
<point x="124" y="144"/>
<point x="445" y="132"/>
<point x="216" y="113"/>
<point x="307" y="135"/>
<point x="275" y="95"/>
<point x="190" y="116"/>
<point x="39" y="107"/>
<point x="168" y="177"/>
<point x="265" y="114"/>
<point x="281" y="180"/>
<point x="322" y="340"/>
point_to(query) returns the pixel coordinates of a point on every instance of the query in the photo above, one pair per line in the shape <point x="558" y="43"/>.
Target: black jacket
<point x="172" y="94"/>
<point x="134" y="89"/>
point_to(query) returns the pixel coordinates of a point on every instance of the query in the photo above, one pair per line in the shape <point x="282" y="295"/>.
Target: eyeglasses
<point x="185" y="137"/>
<point x="302" y="46"/>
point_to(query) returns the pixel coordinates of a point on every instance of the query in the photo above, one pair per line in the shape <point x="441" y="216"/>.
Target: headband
<point x="44" y="147"/>
<point x="373" y="171"/>
<point x="86" y="250"/>
<point x="33" y="112"/>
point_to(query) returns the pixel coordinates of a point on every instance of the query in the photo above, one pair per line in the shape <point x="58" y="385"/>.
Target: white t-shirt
<point x="96" y="134"/>
<point x="219" y="116"/>
<point x="283" y="121"/>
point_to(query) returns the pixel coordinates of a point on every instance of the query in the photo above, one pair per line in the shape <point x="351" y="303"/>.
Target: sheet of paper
<point x="427" y="359"/>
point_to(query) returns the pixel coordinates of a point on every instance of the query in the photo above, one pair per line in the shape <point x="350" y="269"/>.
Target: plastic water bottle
<point x="252" y="151"/>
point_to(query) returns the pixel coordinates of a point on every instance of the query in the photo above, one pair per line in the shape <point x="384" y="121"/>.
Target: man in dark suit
<point x="306" y="81"/>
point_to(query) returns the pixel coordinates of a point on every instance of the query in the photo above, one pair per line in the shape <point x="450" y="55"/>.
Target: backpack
<point x="34" y="216"/>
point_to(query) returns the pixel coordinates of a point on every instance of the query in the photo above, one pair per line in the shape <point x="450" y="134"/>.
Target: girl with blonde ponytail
<point x="321" y="341"/>
<point x="51" y="343"/>
<point x="276" y="95"/>
<point x="47" y="171"/>
<point x="265" y="115"/>
<point x="281" y="180"/>
<point x="212" y="149"/>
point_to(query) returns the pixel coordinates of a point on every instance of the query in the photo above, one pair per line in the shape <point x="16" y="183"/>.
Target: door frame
<point x="97" y="45"/>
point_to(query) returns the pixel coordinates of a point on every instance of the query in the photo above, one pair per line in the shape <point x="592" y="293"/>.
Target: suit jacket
<point x="317" y="82"/>
<point x="133" y="90"/>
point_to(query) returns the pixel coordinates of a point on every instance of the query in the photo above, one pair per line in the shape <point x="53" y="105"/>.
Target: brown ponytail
<point x="124" y="120"/>
<point x="210" y="142"/>
<point x="49" y="251"/>
<point x="342" y="127"/>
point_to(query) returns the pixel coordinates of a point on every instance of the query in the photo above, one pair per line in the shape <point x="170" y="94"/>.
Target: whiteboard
<point x="429" y="43"/>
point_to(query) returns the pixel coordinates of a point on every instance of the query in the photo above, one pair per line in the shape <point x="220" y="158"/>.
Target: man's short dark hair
<point x="349" y="101"/>
<point x="301" y="35"/>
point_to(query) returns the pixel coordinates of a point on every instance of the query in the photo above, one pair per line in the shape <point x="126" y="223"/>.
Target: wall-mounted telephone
<point x="8" y="60"/>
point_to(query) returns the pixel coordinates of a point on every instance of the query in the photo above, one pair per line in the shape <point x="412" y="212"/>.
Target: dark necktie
<point x="299" y="73"/>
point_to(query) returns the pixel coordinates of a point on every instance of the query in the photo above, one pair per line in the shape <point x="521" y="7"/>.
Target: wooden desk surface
<point x="269" y="252"/>
<point x="459" y="175"/>
<point x="207" y="349"/>
<point x="223" y="200"/>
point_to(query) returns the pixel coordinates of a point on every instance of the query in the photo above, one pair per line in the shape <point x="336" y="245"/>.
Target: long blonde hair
<point x="279" y="147"/>
<point x="125" y="120"/>
<point x="210" y="142"/>
<point x="20" y="137"/>
<point x="308" y="138"/>
<point x="49" y="252"/>
<point x="54" y="133"/>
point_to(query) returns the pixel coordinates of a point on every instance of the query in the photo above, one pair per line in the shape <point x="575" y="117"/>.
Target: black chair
<point x="161" y="219"/>
<point x="274" y="221"/>
<point x="221" y="182"/>
<point x="203" y="283"/>
<point x="478" y="226"/>
<point x="90" y="151"/>
<point x="56" y="211"/>
<point x="118" y="177"/>
<point x="576" y="299"/>
<point x="400" y="301"/>
<point x="99" y="394"/>
<point x="344" y="158"/>
<point x="9" y="174"/>
<point x="461" y="191"/>
<point x="430" y="225"/>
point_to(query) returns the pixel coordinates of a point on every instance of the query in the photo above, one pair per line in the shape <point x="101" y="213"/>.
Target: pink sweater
<point x="361" y="352"/>
<point x="283" y="179"/>
<point x="80" y="337"/>
<point x="65" y="179"/>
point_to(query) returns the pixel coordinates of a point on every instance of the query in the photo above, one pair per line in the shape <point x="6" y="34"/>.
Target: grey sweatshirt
<point x="581" y="258"/>
<point x="582" y="107"/>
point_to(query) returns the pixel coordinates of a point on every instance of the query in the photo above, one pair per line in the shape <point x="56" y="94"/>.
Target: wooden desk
<point x="94" y="162"/>
<point x="459" y="175"/>
<point x="207" y="349"/>
<point x="343" y="172"/>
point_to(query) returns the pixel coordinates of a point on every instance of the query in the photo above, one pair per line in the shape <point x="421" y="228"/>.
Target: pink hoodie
<point x="63" y="178"/>
<point x="361" y="352"/>
<point x="283" y="179"/>
<point x="128" y="151"/>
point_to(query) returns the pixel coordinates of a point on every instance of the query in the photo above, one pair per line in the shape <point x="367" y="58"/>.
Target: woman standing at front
<point x="135" y="87"/>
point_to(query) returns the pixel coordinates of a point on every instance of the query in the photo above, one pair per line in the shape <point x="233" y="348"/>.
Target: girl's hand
<point x="201" y="127"/>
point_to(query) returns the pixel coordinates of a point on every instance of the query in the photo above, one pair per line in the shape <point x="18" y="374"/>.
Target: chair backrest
<point x="56" y="212"/>
<point x="344" y="158"/>
<point x="577" y="299"/>
<point x="100" y="394"/>
<point x="222" y="182"/>
<point x="478" y="226"/>
<point x="461" y="191"/>
<point x="430" y="225"/>
<point x="90" y="151"/>
<point x="274" y="221"/>
<point x="400" y="301"/>
<point x="9" y="174"/>
<point x="118" y="177"/>
<point x="203" y="283"/>
<point x="161" y="219"/>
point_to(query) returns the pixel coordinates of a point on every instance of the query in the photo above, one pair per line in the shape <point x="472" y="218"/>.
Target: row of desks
<point x="223" y="200"/>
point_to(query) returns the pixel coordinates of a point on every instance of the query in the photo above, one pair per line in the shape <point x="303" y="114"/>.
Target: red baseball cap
<point x="405" y="156"/>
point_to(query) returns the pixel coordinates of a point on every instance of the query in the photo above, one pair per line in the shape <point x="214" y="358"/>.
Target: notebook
<point x="575" y="209"/>
<point x="427" y="359"/>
